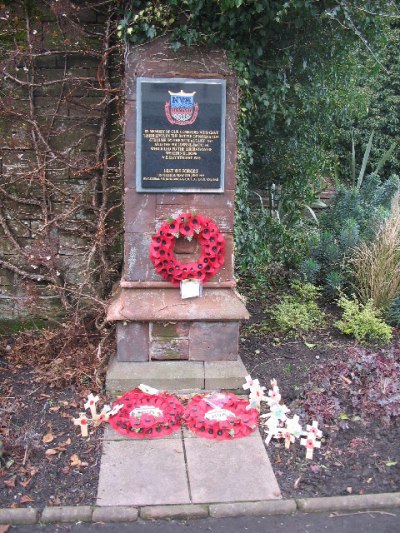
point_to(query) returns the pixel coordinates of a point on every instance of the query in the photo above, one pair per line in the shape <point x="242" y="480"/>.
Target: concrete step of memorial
<point x="176" y="376"/>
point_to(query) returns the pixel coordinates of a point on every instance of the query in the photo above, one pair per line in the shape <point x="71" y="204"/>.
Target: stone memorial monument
<point x="180" y="157"/>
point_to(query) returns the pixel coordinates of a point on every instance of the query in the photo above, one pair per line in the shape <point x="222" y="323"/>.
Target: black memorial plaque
<point x="180" y="135"/>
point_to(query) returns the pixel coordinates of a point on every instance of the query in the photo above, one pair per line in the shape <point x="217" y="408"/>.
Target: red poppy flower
<point x="197" y="223"/>
<point x="186" y="228"/>
<point x="171" y="228"/>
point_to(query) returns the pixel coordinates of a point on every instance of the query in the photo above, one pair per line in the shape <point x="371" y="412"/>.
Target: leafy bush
<point x="363" y="321"/>
<point x="298" y="312"/>
<point x="353" y="218"/>
<point x="367" y="380"/>
<point x="375" y="265"/>
<point x="393" y="312"/>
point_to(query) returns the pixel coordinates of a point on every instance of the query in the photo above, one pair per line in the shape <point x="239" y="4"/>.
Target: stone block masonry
<point x="168" y="341"/>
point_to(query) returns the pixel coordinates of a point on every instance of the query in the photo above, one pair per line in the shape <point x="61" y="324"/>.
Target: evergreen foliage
<point x="393" y="313"/>
<point x="363" y="321"/>
<point x="298" y="312"/>
<point x="354" y="216"/>
<point x="384" y="107"/>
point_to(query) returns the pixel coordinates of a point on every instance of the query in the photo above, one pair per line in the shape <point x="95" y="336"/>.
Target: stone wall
<point x="60" y="179"/>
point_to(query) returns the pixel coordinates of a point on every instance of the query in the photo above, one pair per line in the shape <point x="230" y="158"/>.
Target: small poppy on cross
<point x="313" y="429"/>
<point x="91" y="404"/>
<point x="310" y="442"/>
<point x="82" y="421"/>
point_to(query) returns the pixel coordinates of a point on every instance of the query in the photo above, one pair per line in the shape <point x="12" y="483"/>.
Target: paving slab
<point x="145" y="472"/>
<point x="230" y="471"/>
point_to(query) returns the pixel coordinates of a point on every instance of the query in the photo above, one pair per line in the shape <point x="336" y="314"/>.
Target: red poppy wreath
<point x="188" y="226"/>
<point x="221" y="416"/>
<point x="145" y="415"/>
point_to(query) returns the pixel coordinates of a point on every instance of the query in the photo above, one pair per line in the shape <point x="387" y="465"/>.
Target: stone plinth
<point x="176" y="376"/>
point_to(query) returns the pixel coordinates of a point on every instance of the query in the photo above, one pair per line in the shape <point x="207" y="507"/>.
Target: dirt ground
<point x="44" y="461"/>
<point x="360" y="454"/>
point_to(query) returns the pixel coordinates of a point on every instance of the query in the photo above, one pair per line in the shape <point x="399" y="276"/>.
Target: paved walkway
<point x="184" y="469"/>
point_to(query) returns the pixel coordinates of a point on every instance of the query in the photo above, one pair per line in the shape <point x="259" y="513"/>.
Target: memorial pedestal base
<point x="175" y="344"/>
<point x="156" y="324"/>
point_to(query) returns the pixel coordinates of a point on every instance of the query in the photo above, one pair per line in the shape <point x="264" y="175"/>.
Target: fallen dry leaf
<point x="296" y="483"/>
<point x="25" y="499"/>
<point x="51" y="451"/>
<point x="54" y="409"/>
<point x="25" y="483"/>
<point x="49" y="437"/>
<point x="65" y="443"/>
<point x="74" y="460"/>
<point x="10" y="483"/>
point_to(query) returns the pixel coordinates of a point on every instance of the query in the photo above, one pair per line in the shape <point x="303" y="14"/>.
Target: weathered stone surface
<point x="230" y="166"/>
<point x="214" y="341"/>
<point x="169" y="349"/>
<point x="140" y="212"/>
<point x="163" y="375"/>
<point x="158" y="59"/>
<point x="137" y="265"/>
<point x="196" y="202"/>
<point x="133" y="341"/>
<point x="18" y="516"/>
<point x="174" y="512"/>
<point x="228" y="375"/>
<point x="222" y="217"/>
<point x="115" y="514"/>
<point x="231" y="124"/>
<point x="161" y="305"/>
<point x="130" y="122"/>
<point x="261" y="508"/>
<point x="137" y="473"/>
<point x="66" y="513"/>
<point x="353" y="502"/>
<point x="183" y="246"/>
<point x="162" y="330"/>
<point x="130" y="165"/>
<point x="228" y="471"/>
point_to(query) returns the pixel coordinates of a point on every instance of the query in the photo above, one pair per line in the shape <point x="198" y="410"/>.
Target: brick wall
<point x="58" y="101"/>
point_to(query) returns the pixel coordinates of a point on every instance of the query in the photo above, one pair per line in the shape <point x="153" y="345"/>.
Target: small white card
<point x="191" y="288"/>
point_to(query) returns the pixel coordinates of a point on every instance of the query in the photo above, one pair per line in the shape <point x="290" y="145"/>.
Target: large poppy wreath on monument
<point x="188" y="226"/>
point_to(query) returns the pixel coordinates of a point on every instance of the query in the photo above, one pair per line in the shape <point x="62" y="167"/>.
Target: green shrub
<point x="375" y="266"/>
<point x="393" y="312"/>
<point x="363" y="321"/>
<point x="298" y="312"/>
